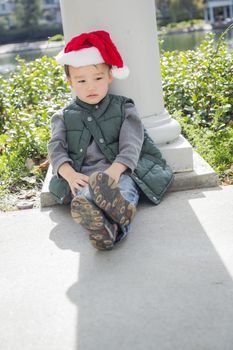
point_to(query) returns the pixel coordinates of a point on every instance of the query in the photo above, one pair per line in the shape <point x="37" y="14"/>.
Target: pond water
<point x="8" y="60"/>
<point x="181" y="41"/>
<point x="188" y="41"/>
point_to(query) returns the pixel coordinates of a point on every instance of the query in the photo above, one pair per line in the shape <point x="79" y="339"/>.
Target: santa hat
<point x="93" y="48"/>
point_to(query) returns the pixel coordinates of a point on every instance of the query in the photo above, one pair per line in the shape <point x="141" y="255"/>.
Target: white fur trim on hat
<point x="120" y="73"/>
<point x="86" y="57"/>
<point x="83" y="57"/>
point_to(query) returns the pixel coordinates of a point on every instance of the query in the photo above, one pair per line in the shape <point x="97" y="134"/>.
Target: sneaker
<point x="102" y="234"/>
<point x="106" y="195"/>
<point x="105" y="238"/>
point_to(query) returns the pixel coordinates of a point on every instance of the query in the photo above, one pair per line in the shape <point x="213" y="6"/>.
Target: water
<point x="188" y="41"/>
<point x="181" y="41"/>
<point x="8" y="60"/>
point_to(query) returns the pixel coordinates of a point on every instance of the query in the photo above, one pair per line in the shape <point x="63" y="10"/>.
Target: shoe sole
<point x="90" y="217"/>
<point x="106" y="195"/>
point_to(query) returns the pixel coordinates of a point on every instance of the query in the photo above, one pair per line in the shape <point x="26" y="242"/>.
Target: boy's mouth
<point x="92" y="95"/>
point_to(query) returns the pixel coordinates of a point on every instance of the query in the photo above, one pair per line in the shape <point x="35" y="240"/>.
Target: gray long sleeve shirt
<point x="130" y="143"/>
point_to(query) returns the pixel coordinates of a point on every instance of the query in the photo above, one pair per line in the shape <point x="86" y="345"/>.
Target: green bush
<point x="174" y="26"/>
<point x="28" y="98"/>
<point x="198" y="88"/>
<point x="57" y="37"/>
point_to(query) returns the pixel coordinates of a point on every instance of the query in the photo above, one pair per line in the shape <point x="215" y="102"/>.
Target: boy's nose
<point x="90" y="86"/>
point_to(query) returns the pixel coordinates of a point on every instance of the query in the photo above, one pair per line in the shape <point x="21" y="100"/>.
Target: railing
<point x="229" y="1"/>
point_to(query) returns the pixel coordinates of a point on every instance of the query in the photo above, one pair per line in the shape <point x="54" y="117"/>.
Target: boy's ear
<point x="110" y="76"/>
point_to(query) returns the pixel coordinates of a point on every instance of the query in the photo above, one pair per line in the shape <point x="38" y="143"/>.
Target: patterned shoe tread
<point x="106" y="194"/>
<point x="104" y="239"/>
<point x="101" y="233"/>
<point x="86" y="213"/>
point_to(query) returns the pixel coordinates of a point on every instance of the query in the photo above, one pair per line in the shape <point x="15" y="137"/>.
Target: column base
<point x="178" y="154"/>
<point x="161" y="127"/>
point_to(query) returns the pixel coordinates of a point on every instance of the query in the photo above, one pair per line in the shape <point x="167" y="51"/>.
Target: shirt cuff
<point x="126" y="161"/>
<point x="57" y="165"/>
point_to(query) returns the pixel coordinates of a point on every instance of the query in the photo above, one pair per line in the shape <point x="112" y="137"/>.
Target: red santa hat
<point x="93" y="48"/>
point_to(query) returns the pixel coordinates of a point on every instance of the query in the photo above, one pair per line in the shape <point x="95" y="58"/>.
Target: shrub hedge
<point x="198" y="91"/>
<point x="28" y="98"/>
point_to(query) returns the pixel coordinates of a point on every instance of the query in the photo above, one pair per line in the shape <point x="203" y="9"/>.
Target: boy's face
<point x="90" y="83"/>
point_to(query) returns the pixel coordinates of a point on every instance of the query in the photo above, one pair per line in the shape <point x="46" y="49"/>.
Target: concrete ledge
<point x="46" y="199"/>
<point x="202" y="176"/>
<point x="178" y="154"/>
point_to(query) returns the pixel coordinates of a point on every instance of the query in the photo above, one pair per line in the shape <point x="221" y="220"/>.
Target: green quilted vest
<point x="103" y="123"/>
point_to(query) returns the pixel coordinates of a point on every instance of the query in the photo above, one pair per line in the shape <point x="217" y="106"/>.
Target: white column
<point x="132" y="25"/>
<point x="231" y="11"/>
<point x="225" y="12"/>
<point x="206" y="17"/>
<point x="211" y="11"/>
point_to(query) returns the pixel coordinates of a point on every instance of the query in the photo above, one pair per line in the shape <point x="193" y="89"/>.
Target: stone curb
<point x="202" y="176"/>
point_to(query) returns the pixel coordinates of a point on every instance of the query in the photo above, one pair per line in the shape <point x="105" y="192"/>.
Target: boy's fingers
<point x="75" y="188"/>
<point x="85" y="178"/>
<point x="82" y="183"/>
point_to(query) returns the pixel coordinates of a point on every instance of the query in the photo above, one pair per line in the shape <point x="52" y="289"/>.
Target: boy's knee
<point x="85" y="192"/>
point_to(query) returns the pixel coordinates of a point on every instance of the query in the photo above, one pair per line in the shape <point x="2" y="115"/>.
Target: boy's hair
<point x="67" y="72"/>
<point x="66" y="69"/>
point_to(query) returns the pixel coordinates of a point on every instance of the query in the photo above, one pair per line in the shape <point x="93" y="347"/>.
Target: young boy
<point x="100" y="153"/>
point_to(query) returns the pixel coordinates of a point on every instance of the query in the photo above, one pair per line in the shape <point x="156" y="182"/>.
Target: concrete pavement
<point x="167" y="287"/>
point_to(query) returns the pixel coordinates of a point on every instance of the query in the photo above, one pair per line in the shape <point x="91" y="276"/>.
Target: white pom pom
<point x="120" y="73"/>
<point x="59" y="57"/>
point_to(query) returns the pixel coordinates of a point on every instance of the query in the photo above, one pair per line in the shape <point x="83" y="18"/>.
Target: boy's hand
<point x="75" y="180"/>
<point x="115" y="171"/>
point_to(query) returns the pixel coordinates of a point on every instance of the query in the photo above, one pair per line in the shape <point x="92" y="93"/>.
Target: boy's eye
<point x="99" y="78"/>
<point x="81" y="81"/>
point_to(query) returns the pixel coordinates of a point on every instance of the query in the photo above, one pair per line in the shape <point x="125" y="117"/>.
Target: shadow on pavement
<point x="166" y="287"/>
